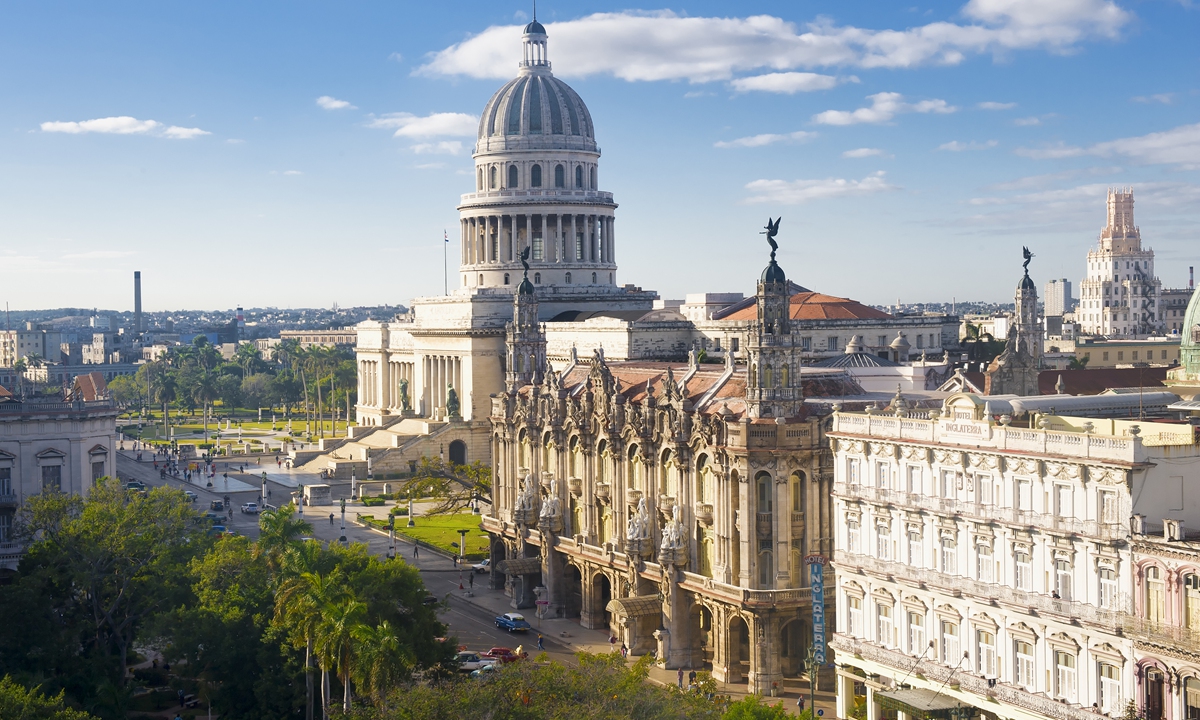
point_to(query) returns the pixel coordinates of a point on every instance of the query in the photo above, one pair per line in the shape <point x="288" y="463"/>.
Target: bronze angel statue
<point x="525" y="260"/>
<point x="1028" y="257"/>
<point x="771" y="231"/>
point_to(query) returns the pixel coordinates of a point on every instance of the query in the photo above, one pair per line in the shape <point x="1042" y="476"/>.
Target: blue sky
<point x="301" y="153"/>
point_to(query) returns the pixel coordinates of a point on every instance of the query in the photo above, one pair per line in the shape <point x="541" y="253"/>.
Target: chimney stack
<point x="1191" y="277"/>
<point x="137" y="302"/>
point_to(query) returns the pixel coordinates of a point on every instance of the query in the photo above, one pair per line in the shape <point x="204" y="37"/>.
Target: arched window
<point x="592" y="177"/>
<point x="505" y="279"/>
<point x="783" y="376"/>
<point x="560" y="176"/>
<point x="798" y="492"/>
<point x="593" y="278"/>
<point x="479" y="180"/>
<point x="537" y="278"/>
<point x="610" y="278"/>
<point x="763" y="481"/>
<point x="574" y="459"/>
<point x="579" y="176"/>
<point x="666" y="470"/>
<point x="568" y="278"/>
<point x="480" y="279"/>
<point x="703" y="478"/>
<point x="632" y="467"/>
<point x="1156" y="593"/>
<point x="1191" y="602"/>
<point x="513" y="178"/>
<point x="766" y="568"/>
<point x="601" y="459"/>
<point x="535" y="176"/>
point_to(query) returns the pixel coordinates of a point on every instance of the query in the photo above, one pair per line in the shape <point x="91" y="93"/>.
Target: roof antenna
<point x="535" y="10"/>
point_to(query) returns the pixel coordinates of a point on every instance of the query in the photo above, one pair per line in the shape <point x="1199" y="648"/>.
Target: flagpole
<point x="445" y="266"/>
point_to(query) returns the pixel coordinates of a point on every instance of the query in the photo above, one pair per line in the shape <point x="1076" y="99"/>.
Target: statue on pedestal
<point x="452" y="407"/>
<point x="525" y="511"/>
<point x="405" y="405"/>
<point x="673" y="550"/>
<point x="550" y="517"/>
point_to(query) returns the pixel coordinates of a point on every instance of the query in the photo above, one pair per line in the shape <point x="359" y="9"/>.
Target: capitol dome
<point x="536" y="110"/>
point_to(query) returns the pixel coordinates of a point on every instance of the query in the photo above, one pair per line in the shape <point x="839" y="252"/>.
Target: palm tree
<point x="19" y="367"/>
<point x="301" y="604"/>
<point x="247" y="357"/>
<point x="165" y="391"/>
<point x="336" y="645"/>
<point x="204" y="392"/>
<point x="278" y="530"/>
<point x="382" y="661"/>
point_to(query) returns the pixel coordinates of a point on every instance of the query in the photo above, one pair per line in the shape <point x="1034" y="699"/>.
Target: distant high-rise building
<point x="1057" y="297"/>
<point x="137" y="302"/>
<point x="1120" y="297"/>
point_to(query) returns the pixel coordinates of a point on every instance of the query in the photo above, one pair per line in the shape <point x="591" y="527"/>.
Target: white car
<point x="191" y="496"/>
<point x="482" y="566"/>
<point x="469" y="661"/>
<point x="250" y="508"/>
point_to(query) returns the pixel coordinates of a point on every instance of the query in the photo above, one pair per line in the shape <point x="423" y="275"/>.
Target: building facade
<point x="64" y="443"/>
<point x="1057" y="300"/>
<point x="1120" y="297"/>
<point x="987" y="563"/>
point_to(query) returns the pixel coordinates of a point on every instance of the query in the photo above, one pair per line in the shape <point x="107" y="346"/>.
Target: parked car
<point x="503" y="655"/>
<point x="135" y="485"/>
<point x="217" y="530"/>
<point x="482" y="566"/>
<point x="250" y="508"/>
<point x="214" y="518"/>
<point x="191" y="496"/>
<point x="483" y="672"/>
<point x="512" y="622"/>
<point x="430" y="600"/>
<point x="216" y="505"/>
<point x="469" y="661"/>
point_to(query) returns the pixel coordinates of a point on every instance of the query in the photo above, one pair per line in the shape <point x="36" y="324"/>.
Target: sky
<point x="301" y="154"/>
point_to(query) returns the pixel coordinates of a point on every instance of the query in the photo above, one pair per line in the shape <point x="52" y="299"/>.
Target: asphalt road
<point x="473" y="626"/>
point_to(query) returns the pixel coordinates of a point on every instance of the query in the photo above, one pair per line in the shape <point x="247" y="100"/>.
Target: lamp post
<point x="299" y="498"/>
<point x="811" y="664"/>
<point x="353" y="485"/>
<point x="391" y="537"/>
<point x="462" y="543"/>
<point x="342" y="539"/>
<point x="410" y="509"/>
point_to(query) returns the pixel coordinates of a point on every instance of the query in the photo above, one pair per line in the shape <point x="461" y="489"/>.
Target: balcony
<point x="786" y="597"/>
<point x="1162" y="634"/>
<point x="9" y="499"/>
<point x="957" y="585"/>
<point x="763" y="524"/>
<point x="988" y="513"/>
<point x="935" y="672"/>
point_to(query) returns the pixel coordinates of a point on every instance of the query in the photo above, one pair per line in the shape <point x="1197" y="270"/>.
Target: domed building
<point x="536" y="185"/>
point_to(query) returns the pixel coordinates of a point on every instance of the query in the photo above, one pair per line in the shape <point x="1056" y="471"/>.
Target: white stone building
<point x="1120" y="297"/>
<point x="986" y="563"/>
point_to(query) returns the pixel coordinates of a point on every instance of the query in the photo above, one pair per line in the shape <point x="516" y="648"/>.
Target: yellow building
<point x="1123" y="353"/>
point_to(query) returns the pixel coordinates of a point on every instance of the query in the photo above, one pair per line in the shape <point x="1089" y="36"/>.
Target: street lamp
<point x="342" y="539"/>
<point x="391" y="537"/>
<point x="811" y="664"/>
<point x="410" y="509"/>
<point x="462" y="543"/>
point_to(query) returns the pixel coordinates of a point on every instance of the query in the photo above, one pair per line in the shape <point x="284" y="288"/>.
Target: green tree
<point x="1079" y="363"/>
<point x="299" y="607"/>
<point x="248" y="358"/>
<point x="19" y="703"/>
<point x="453" y="486"/>
<point x="125" y="390"/>
<point x="752" y="707"/>
<point x="383" y="662"/>
<point x="336" y="644"/>
<point x="279" y="530"/>
<point x="257" y="391"/>
<point x="229" y="391"/>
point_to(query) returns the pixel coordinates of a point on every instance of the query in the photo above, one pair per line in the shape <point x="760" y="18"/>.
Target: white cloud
<point x="884" y="107"/>
<point x="785" y="82"/>
<point x="442" y="147"/>
<point x="432" y="125"/>
<point x="396" y="57"/>
<point x="765" y="139"/>
<point x="989" y="105"/>
<point x="956" y="146"/>
<point x="98" y="255"/>
<point x="1177" y="146"/>
<point x="182" y="133"/>
<point x="430" y="166"/>
<point x="1164" y="98"/>
<point x="783" y="192"/>
<point x="863" y="152"/>
<point x="292" y="172"/>
<point x="1069" y="208"/>
<point x="1028" y="121"/>
<point x="332" y="103"/>
<point x="663" y="45"/>
<point x="123" y="125"/>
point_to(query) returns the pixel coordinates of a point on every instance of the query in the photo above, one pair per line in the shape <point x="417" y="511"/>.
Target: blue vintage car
<point x="512" y="622"/>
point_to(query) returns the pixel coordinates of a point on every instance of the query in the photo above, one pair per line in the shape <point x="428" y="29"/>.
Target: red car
<point x="504" y="655"/>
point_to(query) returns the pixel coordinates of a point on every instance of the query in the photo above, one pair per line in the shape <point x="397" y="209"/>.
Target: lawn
<point x="441" y="530"/>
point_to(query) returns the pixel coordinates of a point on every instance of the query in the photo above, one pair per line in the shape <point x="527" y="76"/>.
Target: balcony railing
<point x="936" y="672"/>
<point x="35" y="407"/>
<point x="9" y="499"/>
<point x="760" y="598"/>
<point x="1108" y="618"/>
<point x="979" y="511"/>
<point x="1184" y="638"/>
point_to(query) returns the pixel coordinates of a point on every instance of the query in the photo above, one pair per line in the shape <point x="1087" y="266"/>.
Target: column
<point x="558" y="238"/>
<point x="612" y="240"/>
<point x="872" y="708"/>
<point x="845" y="696"/>
<point x="528" y="237"/>
<point x="592" y="238"/>
<point x="571" y="241"/>
<point x="385" y="383"/>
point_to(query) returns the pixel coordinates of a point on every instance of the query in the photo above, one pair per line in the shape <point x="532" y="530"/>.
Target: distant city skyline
<point x="281" y="155"/>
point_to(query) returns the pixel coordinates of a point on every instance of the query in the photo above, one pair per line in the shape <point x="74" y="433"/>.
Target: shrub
<point x="372" y="501"/>
<point x="398" y="511"/>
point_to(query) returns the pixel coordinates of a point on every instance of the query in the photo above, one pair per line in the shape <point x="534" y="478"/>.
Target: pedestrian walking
<point x="471" y="580"/>
<point x="331" y="519"/>
<point x="612" y="643"/>
<point x="179" y="693"/>
<point x="680" y="678"/>
<point x="691" y="677"/>
<point x="540" y="646"/>
<point x="415" y="549"/>
<point x="624" y="651"/>
<point x="800" y="703"/>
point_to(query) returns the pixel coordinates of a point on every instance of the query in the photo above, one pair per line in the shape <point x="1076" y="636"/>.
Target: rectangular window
<point x="882" y="480"/>
<point x="920" y="342"/>
<point x="1121" y="353"/>
<point x="97" y="470"/>
<point x="5" y="481"/>
<point x="916" y="557"/>
<point x="1063" y="502"/>
<point x="5" y="527"/>
<point x="1135" y="354"/>
<point x="916" y="633"/>
<point x="1110" y="689"/>
<point x="883" y="341"/>
<point x="806" y="343"/>
<point x="852" y="534"/>
<point x="985" y="653"/>
<point x="950" y="653"/>
<point x="539" y="251"/>
<point x="1023" y="570"/>
<point x="983" y="489"/>
<point x="1108" y="507"/>
<point x="1064" y="676"/>
<point x="949" y="556"/>
<point x="854" y="624"/>
<point x="578" y="246"/>
<point x="1108" y="588"/>
<point x="852" y="471"/>
<point x="946" y="484"/>
<point x="1023" y="667"/>
<point x="984" y="564"/>
<point x="832" y="343"/>
<point x="883" y="624"/>
<point x="1062" y="579"/>
<point x="1106" y="356"/>
<point x="914" y="479"/>
<point x="883" y="542"/>
<point x="1024" y="498"/>
<point x="52" y="477"/>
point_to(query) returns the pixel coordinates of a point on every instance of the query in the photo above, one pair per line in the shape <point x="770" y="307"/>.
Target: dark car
<point x="216" y="505"/>
<point x="503" y="655"/>
<point x="512" y="622"/>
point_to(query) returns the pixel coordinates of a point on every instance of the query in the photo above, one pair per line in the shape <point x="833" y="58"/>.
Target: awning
<point x="919" y="703"/>
<point x="637" y="606"/>
<point x="520" y="566"/>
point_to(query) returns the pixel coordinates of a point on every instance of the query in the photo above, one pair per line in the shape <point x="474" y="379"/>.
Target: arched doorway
<point x="700" y="626"/>
<point x="793" y="644"/>
<point x="1153" y="707"/>
<point x="739" y="650"/>
<point x="572" y="592"/>
<point x="601" y="594"/>
<point x="458" y="452"/>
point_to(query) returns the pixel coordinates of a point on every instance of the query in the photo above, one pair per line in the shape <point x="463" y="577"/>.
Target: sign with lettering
<point x="816" y="581"/>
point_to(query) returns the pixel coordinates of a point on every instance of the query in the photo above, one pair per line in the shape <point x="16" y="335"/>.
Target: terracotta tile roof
<point x="5" y="394"/>
<point x="818" y="306"/>
<point x="90" y="387"/>
<point x="1097" y="380"/>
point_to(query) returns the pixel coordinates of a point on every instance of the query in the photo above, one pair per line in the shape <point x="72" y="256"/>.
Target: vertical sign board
<point x="816" y="581"/>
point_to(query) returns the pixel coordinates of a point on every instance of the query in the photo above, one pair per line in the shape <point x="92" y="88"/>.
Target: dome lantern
<point x="534" y="42"/>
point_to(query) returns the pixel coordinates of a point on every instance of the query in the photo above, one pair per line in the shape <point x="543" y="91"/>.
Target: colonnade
<point x="500" y="238"/>
<point x="440" y="371"/>
<point x="398" y="371"/>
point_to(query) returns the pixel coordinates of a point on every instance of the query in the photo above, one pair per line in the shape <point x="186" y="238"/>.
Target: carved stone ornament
<point x="883" y="449"/>
<point x="1107" y="476"/>
<point x="915" y="453"/>
<point x="948" y="457"/>
<point x="988" y="462"/>
<point x="1064" y="470"/>
<point x="1023" y="466"/>
<point x="756" y="464"/>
